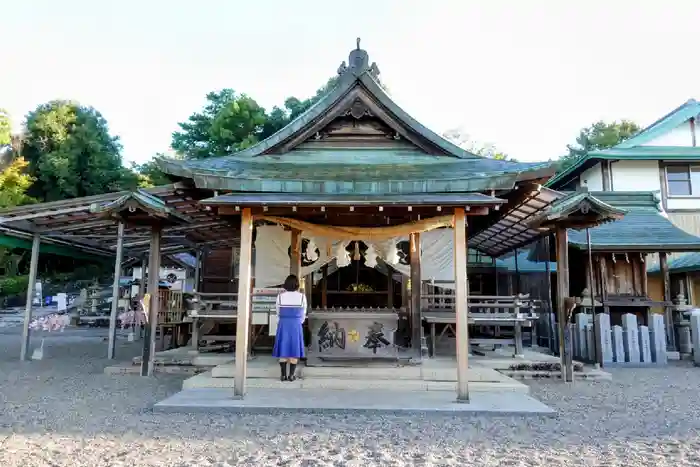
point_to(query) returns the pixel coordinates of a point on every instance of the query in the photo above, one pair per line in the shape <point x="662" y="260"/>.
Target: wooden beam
<point x="115" y="292"/>
<point x="461" y="309"/>
<point x="33" y="267"/>
<point x="149" y="341"/>
<point x="565" y="348"/>
<point x="244" y="303"/>
<point x="668" y="311"/>
<point x="295" y="254"/>
<point x="416" y="318"/>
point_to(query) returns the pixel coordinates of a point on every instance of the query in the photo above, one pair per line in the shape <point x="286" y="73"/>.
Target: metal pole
<point x="33" y="265"/>
<point x="115" y="292"/>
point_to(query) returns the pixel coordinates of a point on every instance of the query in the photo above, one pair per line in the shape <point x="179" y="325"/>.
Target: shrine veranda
<point x="387" y="224"/>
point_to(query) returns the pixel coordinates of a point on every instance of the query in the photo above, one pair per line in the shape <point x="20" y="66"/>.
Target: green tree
<point x="600" y="135"/>
<point x="14" y="183"/>
<point x="71" y="153"/>
<point x="230" y="122"/>
<point x="5" y="129"/>
<point x="149" y="175"/>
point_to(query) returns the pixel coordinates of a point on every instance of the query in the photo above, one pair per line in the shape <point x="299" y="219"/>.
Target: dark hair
<point x="291" y="283"/>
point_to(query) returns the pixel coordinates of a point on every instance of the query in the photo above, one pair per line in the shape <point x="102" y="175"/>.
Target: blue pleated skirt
<point x="289" y="340"/>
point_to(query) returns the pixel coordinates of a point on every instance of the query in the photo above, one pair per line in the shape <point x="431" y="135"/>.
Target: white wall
<point x="679" y="136"/>
<point x="635" y="176"/>
<point x="683" y="203"/>
<point x="592" y="178"/>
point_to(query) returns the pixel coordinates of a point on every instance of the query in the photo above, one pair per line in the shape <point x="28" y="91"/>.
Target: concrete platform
<point x="268" y="400"/>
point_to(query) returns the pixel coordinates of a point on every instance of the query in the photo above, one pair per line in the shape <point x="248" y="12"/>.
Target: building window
<point x="683" y="180"/>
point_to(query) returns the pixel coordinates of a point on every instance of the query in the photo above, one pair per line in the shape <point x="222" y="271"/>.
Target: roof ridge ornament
<point x="358" y="63"/>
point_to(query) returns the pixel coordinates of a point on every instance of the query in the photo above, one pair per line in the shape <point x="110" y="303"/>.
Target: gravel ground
<point x="63" y="411"/>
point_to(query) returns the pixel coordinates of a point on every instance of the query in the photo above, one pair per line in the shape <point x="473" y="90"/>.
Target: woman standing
<point x="289" y="340"/>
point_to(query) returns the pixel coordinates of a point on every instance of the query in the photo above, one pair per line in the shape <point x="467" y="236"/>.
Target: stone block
<point x="618" y="344"/>
<point x="590" y="343"/>
<point x="658" y="339"/>
<point x="695" y="335"/>
<point x="644" y="344"/>
<point x="603" y="335"/>
<point x="630" y="337"/>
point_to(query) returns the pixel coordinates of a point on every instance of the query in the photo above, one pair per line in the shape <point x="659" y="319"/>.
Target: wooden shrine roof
<point x="356" y="140"/>
<point x="80" y="222"/>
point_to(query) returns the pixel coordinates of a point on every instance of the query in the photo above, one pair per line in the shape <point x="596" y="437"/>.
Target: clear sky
<point x="523" y="75"/>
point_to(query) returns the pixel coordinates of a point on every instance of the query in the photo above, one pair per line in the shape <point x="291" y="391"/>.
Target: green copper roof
<point x="597" y="210"/>
<point x="140" y="200"/>
<point x="686" y="262"/>
<point x="429" y="164"/>
<point x="643" y="228"/>
<point x="632" y="149"/>
<point x="668" y="122"/>
<point x="313" y="199"/>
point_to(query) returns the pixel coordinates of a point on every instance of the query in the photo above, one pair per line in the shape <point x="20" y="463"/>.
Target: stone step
<point x="205" y="380"/>
<point x="127" y="369"/>
<point x="426" y="372"/>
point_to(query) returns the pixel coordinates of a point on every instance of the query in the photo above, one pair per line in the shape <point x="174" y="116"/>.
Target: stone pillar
<point x="244" y="303"/>
<point x="695" y="335"/>
<point x="658" y="339"/>
<point x="603" y="336"/>
<point x="579" y="338"/>
<point x="461" y="307"/>
<point x="115" y="292"/>
<point x="631" y="337"/>
<point x="644" y="344"/>
<point x="618" y="344"/>
<point x="31" y="285"/>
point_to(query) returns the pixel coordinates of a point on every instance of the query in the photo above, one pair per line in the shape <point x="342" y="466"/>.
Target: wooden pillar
<point x="149" y="341"/>
<point x="550" y="304"/>
<point x="604" y="283"/>
<point x="197" y="269"/>
<point x="295" y="256"/>
<point x="565" y="348"/>
<point x="416" y="319"/>
<point x="33" y="266"/>
<point x="244" y="303"/>
<point x="324" y="289"/>
<point x="689" y="287"/>
<point x="390" y="288"/>
<point x="668" y="310"/>
<point x="115" y="292"/>
<point x="461" y="307"/>
<point x="517" y="274"/>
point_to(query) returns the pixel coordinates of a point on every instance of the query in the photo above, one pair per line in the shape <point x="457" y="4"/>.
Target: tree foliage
<point x="230" y="122"/>
<point x="148" y="174"/>
<point x="460" y="138"/>
<point x="71" y="153"/>
<point x="600" y="135"/>
<point x="14" y="183"/>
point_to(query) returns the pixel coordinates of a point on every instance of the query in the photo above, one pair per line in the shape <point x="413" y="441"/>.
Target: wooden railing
<point x="171" y="306"/>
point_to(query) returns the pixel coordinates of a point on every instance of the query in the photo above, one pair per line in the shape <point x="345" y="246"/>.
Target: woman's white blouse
<point x="291" y="299"/>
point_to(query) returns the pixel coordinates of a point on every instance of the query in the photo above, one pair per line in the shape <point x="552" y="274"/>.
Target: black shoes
<point x="283" y="371"/>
